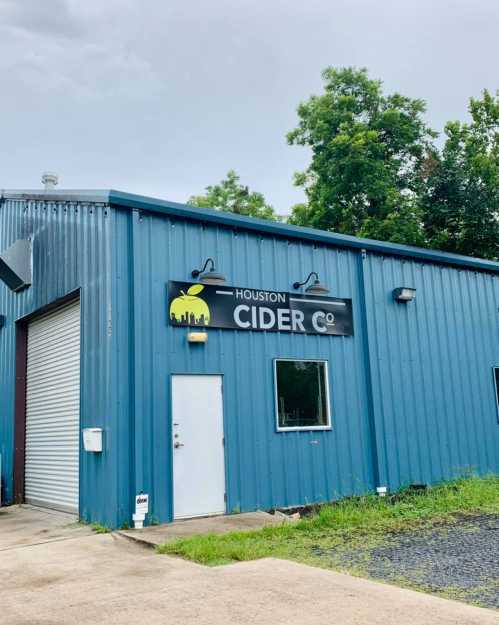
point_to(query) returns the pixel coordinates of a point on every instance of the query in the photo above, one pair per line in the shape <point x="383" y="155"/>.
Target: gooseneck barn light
<point x="404" y="294"/>
<point x="212" y="276"/>
<point x="316" y="288"/>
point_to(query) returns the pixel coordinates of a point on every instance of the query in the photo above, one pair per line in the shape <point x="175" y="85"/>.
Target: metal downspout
<point x="379" y="472"/>
<point x="136" y="386"/>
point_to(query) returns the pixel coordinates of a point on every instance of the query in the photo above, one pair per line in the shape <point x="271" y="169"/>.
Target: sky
<point x="163" y="97"/>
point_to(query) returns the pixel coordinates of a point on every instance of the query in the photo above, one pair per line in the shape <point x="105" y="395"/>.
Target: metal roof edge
<point x="146" y="203"/>
<point x="54" y="195"/>
<point x="130" y="200"/>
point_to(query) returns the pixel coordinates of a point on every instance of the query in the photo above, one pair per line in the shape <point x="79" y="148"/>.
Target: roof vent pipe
<point x="50" y="180"/>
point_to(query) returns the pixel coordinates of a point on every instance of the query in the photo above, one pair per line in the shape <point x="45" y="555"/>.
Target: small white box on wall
<point x="92" y="439"/>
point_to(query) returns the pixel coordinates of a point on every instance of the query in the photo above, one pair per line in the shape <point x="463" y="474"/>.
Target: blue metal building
<point x="407" y="390"/>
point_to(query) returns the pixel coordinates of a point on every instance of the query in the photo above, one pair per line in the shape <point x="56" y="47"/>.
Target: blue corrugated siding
<point x="411" y="392"/>
<point x="264" y="468"/>
<point x="71" y="244"/>
<point x="432" y="362"/>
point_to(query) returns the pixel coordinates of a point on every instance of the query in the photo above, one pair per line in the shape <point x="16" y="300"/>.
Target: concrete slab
<point x="99" y="579"/>
<point x="21" y="526"/>
<point x="160" y="534"/>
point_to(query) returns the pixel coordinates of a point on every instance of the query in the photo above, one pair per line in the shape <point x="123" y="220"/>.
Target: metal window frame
<point x="305" y="428"/>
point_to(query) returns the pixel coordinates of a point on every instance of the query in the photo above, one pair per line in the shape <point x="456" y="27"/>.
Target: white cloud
<point x="49" y="17"/>
<point x="165" y="96"/>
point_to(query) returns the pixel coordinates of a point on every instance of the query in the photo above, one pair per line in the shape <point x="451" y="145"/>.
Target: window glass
<point x="302" y="394"/>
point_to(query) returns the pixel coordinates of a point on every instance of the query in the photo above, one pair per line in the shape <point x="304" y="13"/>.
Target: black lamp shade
<point x="212" y="277"/>
<point x="316" y="288"/>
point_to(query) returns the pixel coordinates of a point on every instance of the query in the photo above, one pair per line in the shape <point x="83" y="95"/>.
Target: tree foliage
<point x="461" y="191"/>
<point x="229" y="195"/>
<point x="375" y="171"/>
<point x="367" y="153"/>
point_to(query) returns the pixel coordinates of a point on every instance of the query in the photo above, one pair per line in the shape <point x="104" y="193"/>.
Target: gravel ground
<point x="459" y="560"/>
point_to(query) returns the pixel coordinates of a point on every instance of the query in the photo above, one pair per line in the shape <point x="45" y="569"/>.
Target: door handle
<point x="178" y="445"/>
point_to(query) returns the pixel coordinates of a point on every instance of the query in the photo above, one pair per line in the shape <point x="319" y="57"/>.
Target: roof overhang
<point x="100" y="196"/>
<point x="206" y="215"/>
<point x="120" y="199"/>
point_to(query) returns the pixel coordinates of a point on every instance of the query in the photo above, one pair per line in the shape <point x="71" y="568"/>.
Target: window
<point x="302" y="395"/>
<point x="496" y="383"/>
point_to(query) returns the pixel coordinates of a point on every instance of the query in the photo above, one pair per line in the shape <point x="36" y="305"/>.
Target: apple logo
<point x="189" y="305"/>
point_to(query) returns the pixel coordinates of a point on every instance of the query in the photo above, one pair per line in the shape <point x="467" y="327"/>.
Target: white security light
<point x="404" y="294"/>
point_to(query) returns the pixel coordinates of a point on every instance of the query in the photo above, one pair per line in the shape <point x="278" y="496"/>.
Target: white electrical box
<point x="92" y="439"/>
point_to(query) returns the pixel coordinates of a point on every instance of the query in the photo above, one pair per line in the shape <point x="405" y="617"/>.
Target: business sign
<point x="142" y="504"/>
<point x="236" y="308"/>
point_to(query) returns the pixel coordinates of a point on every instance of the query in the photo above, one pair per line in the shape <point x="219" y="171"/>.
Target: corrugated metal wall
<point x="264" y="468"/>
<point x="411" y="391"/>
<point x="72" y="250"/>
<point x="426" y="365"/>
<point x="432" y="362"/>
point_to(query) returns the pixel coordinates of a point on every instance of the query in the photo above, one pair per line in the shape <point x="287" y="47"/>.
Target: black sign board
<point x="237" y="308"/>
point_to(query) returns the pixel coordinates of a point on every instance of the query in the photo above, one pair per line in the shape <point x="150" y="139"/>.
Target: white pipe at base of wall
<point x="138" y="521"/>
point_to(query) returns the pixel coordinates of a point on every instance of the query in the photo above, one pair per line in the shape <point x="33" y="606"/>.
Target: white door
<point x="198" y="446"/>
<point x="51" y="475"/>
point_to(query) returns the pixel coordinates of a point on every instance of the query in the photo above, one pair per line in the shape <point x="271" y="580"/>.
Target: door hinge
<point x="225" y="497"/>
<point x="223" y="441"/>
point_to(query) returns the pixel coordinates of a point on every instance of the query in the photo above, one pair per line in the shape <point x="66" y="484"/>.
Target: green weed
<point x="100" y="529"/>
<point x="361" y="521"/>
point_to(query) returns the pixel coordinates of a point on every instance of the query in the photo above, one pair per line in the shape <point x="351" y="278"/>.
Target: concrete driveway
<point x="24" y="526"/>
<point x="106" y="579"/>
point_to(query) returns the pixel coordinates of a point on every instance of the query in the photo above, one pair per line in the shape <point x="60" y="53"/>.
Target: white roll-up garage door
<point x="51" y="476"/>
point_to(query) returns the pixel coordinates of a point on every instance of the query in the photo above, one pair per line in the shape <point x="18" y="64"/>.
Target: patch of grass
<point x="100" y="529"/>
<point x="361" y="521"/>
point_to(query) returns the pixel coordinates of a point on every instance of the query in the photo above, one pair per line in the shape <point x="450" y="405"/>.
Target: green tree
<point x="367" y="152"/>
<point x="233" y="197"/>
<point x="461" y="197"/>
